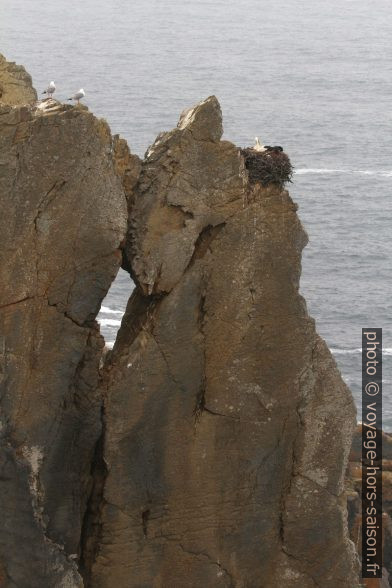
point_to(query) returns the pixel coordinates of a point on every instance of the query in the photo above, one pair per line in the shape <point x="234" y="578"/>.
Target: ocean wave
<point x="385" y="351"/>
<point x="363" y="172"/>
<point x="109" y="322"/>
<point x="109" y="344"/>
<point x="107" y="310"/>
<point x="309" y="170"/>
<point x="345" y="351"/>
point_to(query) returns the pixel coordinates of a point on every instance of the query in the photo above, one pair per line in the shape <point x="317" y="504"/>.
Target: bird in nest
<point x="266" y="148"/>
<point x="258" y="146"/>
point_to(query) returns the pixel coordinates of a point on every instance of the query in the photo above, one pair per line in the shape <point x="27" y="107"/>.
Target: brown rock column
<point x="62" y="219"/>
<point x="227" y="424"/>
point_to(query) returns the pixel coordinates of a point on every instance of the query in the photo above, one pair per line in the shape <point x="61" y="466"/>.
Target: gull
<point x="258" y="146"/>
<point x="50" y="90"/>
<point x="78" y="96"/>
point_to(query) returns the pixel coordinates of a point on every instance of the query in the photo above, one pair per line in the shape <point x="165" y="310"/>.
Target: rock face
<point x="62" y="219"/>
<point x="210" y="450"/>
<point x="227" y="426"/>
<point x="354" y="491"/>
<point x="15" y="84"/>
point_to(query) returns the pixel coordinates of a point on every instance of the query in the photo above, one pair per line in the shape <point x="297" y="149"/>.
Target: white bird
<point x="50" y="90"/>
<point x="258" y="146"/>
<point x="78" y="96"/>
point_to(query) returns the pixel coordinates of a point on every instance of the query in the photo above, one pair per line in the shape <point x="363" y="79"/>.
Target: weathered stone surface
<point x="227" y="424"/>
<point x="15" y="84"/>
<point x="354" y="491"/>
<point x="62" y="219"/>
<point x="167" y="220"/>
<point x="128" y="167"/>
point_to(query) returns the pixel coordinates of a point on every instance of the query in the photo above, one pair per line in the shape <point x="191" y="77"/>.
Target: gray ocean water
<point x="314" y="76"/>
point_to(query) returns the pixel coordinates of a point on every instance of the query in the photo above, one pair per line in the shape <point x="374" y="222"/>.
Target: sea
<point x="314" y="76"/>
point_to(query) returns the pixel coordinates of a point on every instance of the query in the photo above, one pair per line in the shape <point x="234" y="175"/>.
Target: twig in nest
<point x="267" y="167"/>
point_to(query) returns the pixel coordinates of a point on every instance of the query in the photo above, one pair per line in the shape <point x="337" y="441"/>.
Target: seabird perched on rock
<point x="50" y="90"/>
<point x="78" y="96"/>
<point x="258" y="146"/>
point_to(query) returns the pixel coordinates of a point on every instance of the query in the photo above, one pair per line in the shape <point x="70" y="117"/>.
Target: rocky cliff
<point x="210" y="450"/>
<point x="63" y="217"/>
<point x="354" y="491"/>
<point x="227" y="425"/>
<point x="15" y="84"/>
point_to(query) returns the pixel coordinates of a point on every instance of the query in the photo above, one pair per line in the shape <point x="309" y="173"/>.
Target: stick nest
<point x="267" y="167"/>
